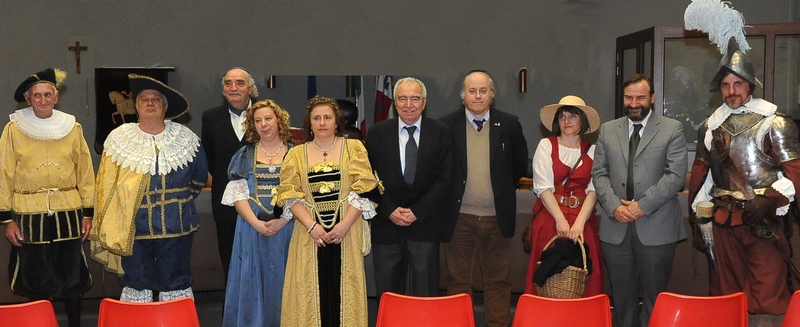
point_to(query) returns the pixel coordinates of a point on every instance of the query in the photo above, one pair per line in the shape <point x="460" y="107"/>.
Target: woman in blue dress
<point x="261" y="242"/>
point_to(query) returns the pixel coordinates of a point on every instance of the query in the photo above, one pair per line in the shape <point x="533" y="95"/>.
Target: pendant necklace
<point x="324" y="152"/>
<point x="272" y="168"/>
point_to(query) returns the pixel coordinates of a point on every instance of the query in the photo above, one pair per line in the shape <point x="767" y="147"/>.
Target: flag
<point x="312" y="86"/>
<point x="383" y="97"/>
<point x="361" y="122"/>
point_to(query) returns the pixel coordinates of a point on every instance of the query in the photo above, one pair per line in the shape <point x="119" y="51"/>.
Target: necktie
<point x="633" y="144"/>
<point x="411" y="156"/>
<point x="479" y="123"/>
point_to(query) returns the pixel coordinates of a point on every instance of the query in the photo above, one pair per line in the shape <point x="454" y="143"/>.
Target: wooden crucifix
<point x="77" y="48"/>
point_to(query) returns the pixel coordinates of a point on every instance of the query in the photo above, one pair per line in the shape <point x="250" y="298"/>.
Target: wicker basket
<point x="569" y="283"/>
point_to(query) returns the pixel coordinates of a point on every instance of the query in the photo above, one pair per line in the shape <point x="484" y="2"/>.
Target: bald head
<point x="238" y="87"/>
<point x="477" y="93"/>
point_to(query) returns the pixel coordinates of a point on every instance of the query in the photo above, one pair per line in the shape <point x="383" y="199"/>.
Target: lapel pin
<point x="496" y="124"/>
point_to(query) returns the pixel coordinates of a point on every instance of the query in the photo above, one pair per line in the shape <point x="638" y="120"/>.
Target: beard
<point x="643" y="112"/>
<point x="735" y="101"/>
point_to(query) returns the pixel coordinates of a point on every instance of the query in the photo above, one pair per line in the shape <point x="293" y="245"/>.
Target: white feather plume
<point x="720" y="21"/>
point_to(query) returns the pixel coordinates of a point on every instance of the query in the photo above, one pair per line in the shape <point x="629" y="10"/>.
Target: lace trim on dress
<point x="363" y="204"/>
<point x="53" y="128"/>
<point x="287" y="213"/>
<point x="236" y="190"/>
<point x="131" y="148"/>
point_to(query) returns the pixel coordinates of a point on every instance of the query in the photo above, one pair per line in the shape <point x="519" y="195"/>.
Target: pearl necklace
<point x="270" y="156"/>
<point x="324" y="152"/>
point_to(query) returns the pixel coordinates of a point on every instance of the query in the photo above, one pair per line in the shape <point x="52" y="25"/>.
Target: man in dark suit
<point x="222" y="135"/>
<point x="490" y="157"/>
<point x="412" y="156"/>
<point x="643" y="221"/>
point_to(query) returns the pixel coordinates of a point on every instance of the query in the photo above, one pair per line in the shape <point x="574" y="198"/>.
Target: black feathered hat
<point x="177" y="104"/>
<point x="49" y="75"/>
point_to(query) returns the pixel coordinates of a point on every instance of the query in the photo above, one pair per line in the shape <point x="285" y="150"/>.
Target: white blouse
<point x="543" y="165"/>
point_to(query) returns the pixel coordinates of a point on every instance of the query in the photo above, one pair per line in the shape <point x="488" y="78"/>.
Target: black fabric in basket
<point x="565" y="253"/>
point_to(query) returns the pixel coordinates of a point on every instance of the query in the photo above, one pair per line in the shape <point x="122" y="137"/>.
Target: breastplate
<point x="744" y="136"/>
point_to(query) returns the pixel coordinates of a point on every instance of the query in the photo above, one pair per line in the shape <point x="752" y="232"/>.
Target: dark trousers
<point x="480" y="237"/>
<point x="410" y="268"/>
<point x="225" y="234"/>
<point x="159" y="265"/>
<point x="56" y="269"/>
<point x="633" y="266"/>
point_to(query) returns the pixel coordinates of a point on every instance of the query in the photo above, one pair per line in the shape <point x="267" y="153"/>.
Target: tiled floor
<point x="209" y="309"/>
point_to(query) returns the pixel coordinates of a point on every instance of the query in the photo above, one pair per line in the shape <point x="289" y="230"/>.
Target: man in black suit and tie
<point x="412" y="157"/>
<point x="490" y="156"/>
<point x="222" y="135"/>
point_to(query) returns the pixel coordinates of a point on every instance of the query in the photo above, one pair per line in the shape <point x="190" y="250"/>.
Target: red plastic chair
<point x="29" y="314"/>
<point x="792" y="317"/>
<point x="535" y="310"/>
<point x="673" y="309"/>
<point x="178" y="312"/>
<point x="398" y="310"/>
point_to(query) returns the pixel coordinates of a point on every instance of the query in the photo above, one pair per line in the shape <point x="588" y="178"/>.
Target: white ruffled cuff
<point x="236" y="190"/>
<point x="287" y="212"/>
<point x="785" y="187"/>
<point x="363" y="204"/>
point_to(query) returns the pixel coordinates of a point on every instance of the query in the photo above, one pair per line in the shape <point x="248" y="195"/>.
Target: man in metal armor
<point x="751" y="151"/>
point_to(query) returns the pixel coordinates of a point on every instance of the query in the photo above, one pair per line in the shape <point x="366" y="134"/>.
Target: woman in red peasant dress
<point x="569" y="212"/>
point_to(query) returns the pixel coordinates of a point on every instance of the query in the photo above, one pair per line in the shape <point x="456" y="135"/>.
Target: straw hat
<point x="548" y="112"/>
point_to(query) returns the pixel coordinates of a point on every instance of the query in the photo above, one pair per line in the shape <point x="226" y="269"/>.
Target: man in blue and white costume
<point x="150" y="173"/>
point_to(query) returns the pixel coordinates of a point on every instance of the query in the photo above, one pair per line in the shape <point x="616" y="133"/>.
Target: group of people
<point x="307" y="214"/>
<point x="294" y="221"/>
<point x="745" y="164"/>
<point x="138" y="210"/>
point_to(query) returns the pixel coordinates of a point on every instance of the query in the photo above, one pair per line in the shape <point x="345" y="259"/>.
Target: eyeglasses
<point x="570" y="117"/>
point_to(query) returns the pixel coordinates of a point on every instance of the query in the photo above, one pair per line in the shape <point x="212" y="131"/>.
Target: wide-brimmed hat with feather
<point x="177" y="104"/>
<point x="49" y="75"/>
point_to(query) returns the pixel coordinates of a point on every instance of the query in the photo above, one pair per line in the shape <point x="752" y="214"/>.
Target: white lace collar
<point x="53" y="128"/>
<point x="756" y="105"/>
<point x="131" y="148"/>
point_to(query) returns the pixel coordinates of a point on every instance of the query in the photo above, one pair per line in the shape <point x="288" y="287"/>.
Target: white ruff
<point x="131" y="148"/>
<point x="53" y="128"/>
<point x="755" y="105"/>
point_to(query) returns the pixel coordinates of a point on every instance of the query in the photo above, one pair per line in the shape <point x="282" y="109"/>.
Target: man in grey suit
<point x="644" y="221"/>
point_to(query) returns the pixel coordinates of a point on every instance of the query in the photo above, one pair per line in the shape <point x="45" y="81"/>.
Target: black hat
<point x="49" y="75"/>
<point x="176" y="103"/>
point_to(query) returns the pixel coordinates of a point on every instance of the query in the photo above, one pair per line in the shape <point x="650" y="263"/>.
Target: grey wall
<point x="567" y="46"/>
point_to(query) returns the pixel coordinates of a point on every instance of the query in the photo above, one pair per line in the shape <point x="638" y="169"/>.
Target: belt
<point x="46" y="190"/>
<point x="49" y="192"/>
<point x="717" y="192"/>
<point x="729" y="202"/>
<point x="570" y="201"/>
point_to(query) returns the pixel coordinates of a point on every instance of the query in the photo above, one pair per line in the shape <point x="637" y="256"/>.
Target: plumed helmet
<point x="736" y="62"/>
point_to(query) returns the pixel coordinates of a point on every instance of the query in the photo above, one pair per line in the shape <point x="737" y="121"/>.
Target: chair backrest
<point x="178" y="312"/>
<point x="398" y="310"/>
<point x="673" y="309"/>
<point x="29" y="314"/>
<point x="792" y="317"/>
<point x="532" y="310"/>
